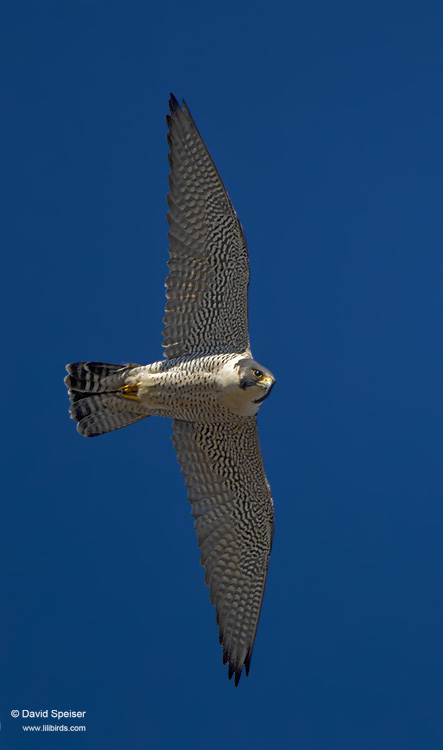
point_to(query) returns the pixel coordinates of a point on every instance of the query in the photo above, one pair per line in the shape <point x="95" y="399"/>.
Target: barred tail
<point x="99" y="400"/>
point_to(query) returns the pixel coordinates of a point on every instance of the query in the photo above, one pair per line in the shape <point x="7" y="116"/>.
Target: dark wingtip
<point x="248" y="661"/>
<point x="173" y="103"/>
<point x="234" y="671"/>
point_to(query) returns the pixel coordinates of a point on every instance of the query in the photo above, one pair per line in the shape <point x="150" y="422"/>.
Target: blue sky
<point x="325" y="121"/>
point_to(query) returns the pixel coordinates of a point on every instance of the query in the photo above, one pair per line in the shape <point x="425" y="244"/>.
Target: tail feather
<point x="97" y="403"/>
<point x="95" y="377"/>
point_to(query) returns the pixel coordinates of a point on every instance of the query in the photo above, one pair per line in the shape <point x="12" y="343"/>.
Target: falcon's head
<point x="243" y="385"/>
<point x="254" y="378"/>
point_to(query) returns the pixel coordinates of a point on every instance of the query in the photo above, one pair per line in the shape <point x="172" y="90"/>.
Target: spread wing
<point x="234" y="519"/>
<point x="207" y="285"/>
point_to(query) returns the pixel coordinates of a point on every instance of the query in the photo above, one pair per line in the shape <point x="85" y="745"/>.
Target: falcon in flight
<point x="209" y="384"/>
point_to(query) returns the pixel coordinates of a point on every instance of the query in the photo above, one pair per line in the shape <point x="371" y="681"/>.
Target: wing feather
<point x="233" y="511"/>
<point x="207" y="284"/>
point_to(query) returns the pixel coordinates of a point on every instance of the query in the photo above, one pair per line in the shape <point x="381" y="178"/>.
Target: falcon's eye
<point x="257" y="373"/>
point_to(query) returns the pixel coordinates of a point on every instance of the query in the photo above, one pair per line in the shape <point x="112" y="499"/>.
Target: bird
<point x="208" y="383"/>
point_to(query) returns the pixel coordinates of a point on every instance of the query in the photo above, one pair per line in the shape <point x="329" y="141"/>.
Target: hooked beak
<point x="267" y="383"/>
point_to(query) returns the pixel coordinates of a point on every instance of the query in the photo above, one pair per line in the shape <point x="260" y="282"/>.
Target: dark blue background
<point x="325" y="121"/>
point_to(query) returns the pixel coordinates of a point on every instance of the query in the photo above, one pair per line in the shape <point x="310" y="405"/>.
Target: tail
<point x="102" y="397"/>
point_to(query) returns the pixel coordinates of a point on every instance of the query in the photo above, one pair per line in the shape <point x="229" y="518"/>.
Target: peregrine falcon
<point x="209" y="384"/>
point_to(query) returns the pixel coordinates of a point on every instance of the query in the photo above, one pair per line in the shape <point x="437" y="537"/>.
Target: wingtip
<point x="233" y="670"/>
<point x="174" y="106"/>
<point x="173" y="103"/>
<point x="236" y="672"/>
<point x="248" y="661"/>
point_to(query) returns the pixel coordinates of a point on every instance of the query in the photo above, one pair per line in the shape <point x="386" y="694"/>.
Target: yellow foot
<point x="130" y="391"/>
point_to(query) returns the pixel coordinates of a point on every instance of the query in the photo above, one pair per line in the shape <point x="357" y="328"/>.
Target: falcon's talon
<point x="209" y="384"/>
<point x="130" y="391"/>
